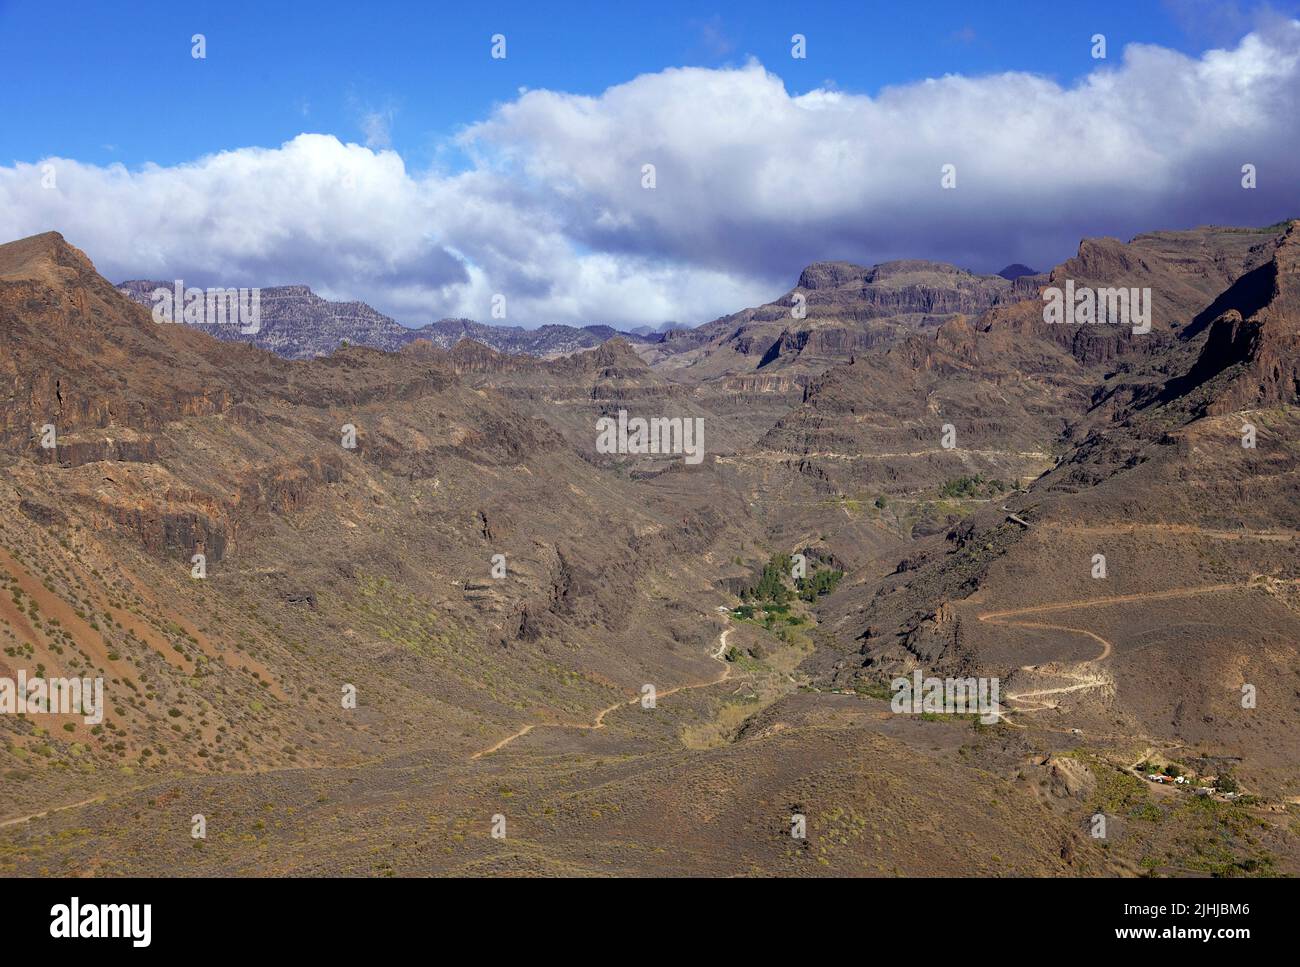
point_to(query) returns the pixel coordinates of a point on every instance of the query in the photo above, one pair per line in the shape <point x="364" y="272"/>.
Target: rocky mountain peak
<point x="42" y="258"/>
<point x="1015" y="271"/>
<point x="831" y="275"/>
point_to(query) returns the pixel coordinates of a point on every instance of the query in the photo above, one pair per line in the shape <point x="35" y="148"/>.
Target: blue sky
<point x="117" y="83"/>
<point x="377" y="152"/>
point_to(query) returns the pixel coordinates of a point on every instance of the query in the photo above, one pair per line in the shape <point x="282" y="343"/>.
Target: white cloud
<point x="752" y="183"/>
<point x="752" y="178"/>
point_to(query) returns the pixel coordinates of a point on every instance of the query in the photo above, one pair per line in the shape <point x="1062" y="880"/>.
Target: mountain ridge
<point x="299" y="324"/>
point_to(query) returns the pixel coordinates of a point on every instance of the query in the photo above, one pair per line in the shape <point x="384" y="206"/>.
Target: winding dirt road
<point x="1081" y="675"/>
<point x="599" y="721"/>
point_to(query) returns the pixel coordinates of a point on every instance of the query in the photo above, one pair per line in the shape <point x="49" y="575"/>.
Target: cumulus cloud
<point x="751" y="178"/>
<point x="751" y="183"/>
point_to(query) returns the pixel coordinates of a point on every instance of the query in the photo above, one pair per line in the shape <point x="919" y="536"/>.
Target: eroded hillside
<point x="239" y="545"/>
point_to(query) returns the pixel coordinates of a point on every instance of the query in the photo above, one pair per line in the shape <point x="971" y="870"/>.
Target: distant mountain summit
<point x="658" y="330"/>
<point x="1015" y="270"/>
<point x="544" y="341"/>
<point x="298" y="324"/>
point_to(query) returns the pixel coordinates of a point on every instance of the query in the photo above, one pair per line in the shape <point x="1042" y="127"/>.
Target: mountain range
<point x="298" y="324"/>
<point x="352" y="603"/>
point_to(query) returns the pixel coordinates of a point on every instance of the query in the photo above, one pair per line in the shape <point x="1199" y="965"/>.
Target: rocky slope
<point x="326" y="563"/>
<point x="1198" y="593"/>
<point x="846" y="308"/>
<point x="517" y="693"/>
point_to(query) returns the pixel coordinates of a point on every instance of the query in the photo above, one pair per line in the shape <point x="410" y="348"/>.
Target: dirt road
<point x="1083" y="674"/>
<point x="1117" y="530"/>
<point x="45" y="812"/>
<point x="599" y="721"/>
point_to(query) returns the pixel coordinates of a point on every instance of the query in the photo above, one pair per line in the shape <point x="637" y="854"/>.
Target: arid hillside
<point x="364" y="612"/>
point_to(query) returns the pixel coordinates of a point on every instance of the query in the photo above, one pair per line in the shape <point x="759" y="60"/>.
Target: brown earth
<point x="330" y="568"/>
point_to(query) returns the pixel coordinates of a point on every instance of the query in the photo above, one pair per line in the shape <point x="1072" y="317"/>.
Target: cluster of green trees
<point x="976" y="486"/>
<point x="771" y="586"/>
<point x="774" y="594"/>
<point x="821" y="582"/>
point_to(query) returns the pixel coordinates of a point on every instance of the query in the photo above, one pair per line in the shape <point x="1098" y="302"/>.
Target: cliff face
<point x="1251" y="352"/>
<point x="1011" y="383"/>
<point x="877" y="425"/>
<point x="831" y="342"/>
<point x="909" y="286"/>
<point x="918" y="292"/>
<point x="846" y="311"/>
<point x="1186" y="274"/>
<point x="929" y="288"/>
